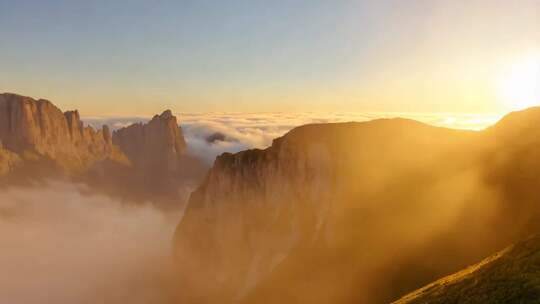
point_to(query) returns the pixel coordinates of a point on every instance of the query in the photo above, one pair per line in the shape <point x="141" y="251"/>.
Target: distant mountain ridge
<point x="38" y="126"/>
<point x="147" y="159"/>
<point x="158" y="144"/>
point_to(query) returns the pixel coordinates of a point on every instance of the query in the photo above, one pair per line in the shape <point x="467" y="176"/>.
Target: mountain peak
<point x="166" y="114"/>
<point x="156" y="145"/>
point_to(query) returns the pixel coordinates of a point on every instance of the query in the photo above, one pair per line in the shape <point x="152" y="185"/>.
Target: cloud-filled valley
<point x="63" y="244"/>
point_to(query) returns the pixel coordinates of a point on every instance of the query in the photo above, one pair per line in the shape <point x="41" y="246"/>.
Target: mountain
<point x="157" y="150"/>
<point x="157" y="145"/>
<point x="142" y="162"/>
<point x="510" y="276"/>
<point x="358" y="212"/>
<point x="39" y="128"/>
<point x="290" y="213"/>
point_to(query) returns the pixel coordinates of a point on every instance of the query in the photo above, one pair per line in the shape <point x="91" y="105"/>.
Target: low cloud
<point x="62" y="245"/>
<point x="257" y="130"/>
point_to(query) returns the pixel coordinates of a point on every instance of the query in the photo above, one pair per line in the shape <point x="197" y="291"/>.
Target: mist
<point x="63" y="245"/>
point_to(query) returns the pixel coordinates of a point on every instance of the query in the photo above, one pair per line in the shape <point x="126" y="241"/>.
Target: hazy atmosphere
<point x="269" y="152"/>
<point x="62" y="244"/>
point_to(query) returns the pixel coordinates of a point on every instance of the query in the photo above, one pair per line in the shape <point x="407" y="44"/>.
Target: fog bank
<point x="62" y="245"/>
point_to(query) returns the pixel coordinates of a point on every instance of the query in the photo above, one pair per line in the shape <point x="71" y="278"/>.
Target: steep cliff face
<point x="291" y="217"/>
<point x="510" y="276"/>
<point x="39" y="127"/>
<point x="250" y="214"/>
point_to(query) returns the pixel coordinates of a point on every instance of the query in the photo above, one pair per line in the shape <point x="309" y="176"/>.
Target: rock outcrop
<point x="358" y="212"/>
<point x="157" y="150"/>
<point x="39" y="127"/>
<point x="158" y="145"/>
<point x="510" y="276"/>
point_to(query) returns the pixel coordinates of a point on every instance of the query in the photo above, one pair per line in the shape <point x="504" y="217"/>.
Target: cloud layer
<point x="240" y="131"/>
<point x="61" y="245"/>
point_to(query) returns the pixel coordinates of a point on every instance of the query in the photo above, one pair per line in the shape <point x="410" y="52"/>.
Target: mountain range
<point x="329" y="213"/>
<point x="141" y="162"/>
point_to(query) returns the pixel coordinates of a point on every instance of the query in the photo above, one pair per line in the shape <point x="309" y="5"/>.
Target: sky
<point x="140" y="57"/>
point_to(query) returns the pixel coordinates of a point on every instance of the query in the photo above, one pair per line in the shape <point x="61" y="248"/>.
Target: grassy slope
<point x="510" y="276"/>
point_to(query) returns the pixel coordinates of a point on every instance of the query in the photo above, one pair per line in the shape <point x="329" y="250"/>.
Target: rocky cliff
<point x="142" y="162"/>
<point x="157" y="150"/>
<point x="29" y="126"/>
<point x="156" y="145"/>
<point x="357" y="212"/>
<point x="510" y="276"/>
<point x="316" y="193"/>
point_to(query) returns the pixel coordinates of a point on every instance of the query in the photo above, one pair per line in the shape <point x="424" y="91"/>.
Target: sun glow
<point x="519" y="84"/>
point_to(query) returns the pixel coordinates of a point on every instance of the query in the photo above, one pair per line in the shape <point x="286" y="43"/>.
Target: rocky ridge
<point x="29" y="126"/>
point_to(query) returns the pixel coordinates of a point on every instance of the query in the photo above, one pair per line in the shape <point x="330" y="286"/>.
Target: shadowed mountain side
<point x="167" y="190"/>
<point x="510" y="276"/>
<point x="358" y="212"/>
<point x="510" y="166"/>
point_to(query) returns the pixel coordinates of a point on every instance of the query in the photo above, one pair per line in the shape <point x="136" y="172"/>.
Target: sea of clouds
<point x="210" y="134"/>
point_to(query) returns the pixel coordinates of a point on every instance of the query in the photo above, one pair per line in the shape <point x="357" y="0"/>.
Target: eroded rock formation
<point x="29" y="126"/>
<point x="158" y="145"/>
<point x="157" y="150"/>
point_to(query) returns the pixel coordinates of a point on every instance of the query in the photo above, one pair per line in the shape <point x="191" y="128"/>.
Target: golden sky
<point x="137" y="57"/>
